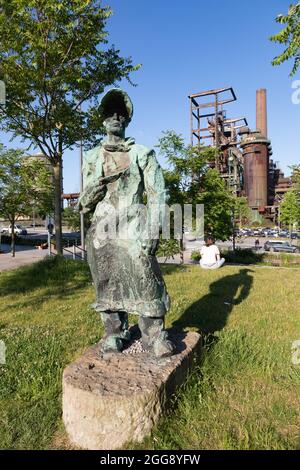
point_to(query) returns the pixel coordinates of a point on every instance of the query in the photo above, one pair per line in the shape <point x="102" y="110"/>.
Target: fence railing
<point x="73" y="250"/>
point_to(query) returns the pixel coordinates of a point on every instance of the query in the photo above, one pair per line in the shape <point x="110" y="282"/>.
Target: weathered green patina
<point x="117" y="176"/>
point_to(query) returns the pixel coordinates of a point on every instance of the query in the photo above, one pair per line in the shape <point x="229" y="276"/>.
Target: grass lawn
<point x="245" y="394"/>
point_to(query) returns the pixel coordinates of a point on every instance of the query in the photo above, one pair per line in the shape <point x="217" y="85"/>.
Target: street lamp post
<point x="233" y="229"/>
<point x="82" y="235"/>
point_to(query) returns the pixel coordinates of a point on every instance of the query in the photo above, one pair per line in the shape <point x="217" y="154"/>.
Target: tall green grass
<point x="244" y="394"/>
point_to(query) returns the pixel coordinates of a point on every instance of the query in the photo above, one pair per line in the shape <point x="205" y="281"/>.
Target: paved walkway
<point x="24" y="255"/>
<point x="27" y="255"/>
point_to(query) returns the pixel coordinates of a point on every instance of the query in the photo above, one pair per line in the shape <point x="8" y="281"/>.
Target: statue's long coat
<point x="125" y="271"/>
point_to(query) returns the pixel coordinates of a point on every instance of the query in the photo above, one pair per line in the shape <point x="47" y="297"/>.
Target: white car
<point x="19" y="230"/>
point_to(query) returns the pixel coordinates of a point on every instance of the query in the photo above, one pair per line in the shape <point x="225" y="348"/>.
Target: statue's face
<point x="115" y="124"/>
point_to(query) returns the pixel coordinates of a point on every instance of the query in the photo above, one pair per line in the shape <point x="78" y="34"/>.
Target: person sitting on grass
<point x="210" y="255"/>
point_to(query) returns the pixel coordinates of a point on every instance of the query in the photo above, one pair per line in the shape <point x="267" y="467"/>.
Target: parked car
<point x="280" y="246"/>
<point x="19" y="230"/>
<point x="283" y="234"/>
<point x="4" y="229"/>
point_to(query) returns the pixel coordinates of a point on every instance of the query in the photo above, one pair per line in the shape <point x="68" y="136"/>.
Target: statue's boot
<point x="116" y="330"/>
<point x="155" y="337"/>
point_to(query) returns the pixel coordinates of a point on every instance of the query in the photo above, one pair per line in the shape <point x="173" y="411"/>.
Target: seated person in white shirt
<point x="210" y="255"/>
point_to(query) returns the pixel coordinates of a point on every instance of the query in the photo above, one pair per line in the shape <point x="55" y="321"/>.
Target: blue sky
<point x="193" y="45"/>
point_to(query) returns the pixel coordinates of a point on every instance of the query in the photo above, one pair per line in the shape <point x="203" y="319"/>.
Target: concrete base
<point x="109" y="401"/>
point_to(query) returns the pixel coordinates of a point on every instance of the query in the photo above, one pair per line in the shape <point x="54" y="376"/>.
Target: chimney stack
<point x="261" y="111"/>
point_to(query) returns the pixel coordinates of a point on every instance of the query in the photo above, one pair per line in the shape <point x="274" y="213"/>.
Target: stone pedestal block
<point x="117" y="398"/>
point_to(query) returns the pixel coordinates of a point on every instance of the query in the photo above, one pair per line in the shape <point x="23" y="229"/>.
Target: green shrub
<point x="248" y="256"/>
<point x="195" y="256"/>
<point x="168" y="248"/>
<point x="244" y="256"/>
<point x="282" y="259"/>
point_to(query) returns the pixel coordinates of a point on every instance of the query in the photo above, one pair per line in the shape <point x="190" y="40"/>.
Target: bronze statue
<point x="118" y="175"/>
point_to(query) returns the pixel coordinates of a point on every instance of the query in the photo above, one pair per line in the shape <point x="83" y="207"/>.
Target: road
<point x="40" y="232"/>
<point x="248" y="242"/>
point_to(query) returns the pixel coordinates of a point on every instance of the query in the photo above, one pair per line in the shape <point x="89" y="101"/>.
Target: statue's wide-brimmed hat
<point x="116" y="100"/>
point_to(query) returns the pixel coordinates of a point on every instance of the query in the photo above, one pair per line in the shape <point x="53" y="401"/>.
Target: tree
<point x="290" y="205"/>
<point x="24" y="183"/>
<point x="289" y="36"/>
<point x="290" y="209"/>
<point x="296" y="176"/>
<point x="241" y="209"/>
<point x="191" y="180"/>
<point x="55" y="61"/>
<point x="218" y="204"/>
<point x="71" y="217"/>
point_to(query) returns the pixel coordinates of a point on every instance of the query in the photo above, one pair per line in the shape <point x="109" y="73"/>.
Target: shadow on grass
<point x="51" y="273"/>
<point x="210" y="313"/>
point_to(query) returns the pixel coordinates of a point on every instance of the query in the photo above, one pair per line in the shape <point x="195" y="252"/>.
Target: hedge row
<point x="248" y="256"/>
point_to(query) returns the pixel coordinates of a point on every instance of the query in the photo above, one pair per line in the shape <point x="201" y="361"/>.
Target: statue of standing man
<point x="118" y="176"/>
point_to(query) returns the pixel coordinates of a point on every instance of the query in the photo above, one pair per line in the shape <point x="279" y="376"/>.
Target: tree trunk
<point x="13" y="241"/>
<point x="181" y="251"/>
<point x="57" y="175"/>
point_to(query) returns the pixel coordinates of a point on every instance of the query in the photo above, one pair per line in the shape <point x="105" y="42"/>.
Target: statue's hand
<point x="88" y="200"/>
<point x="113" y="177"/>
